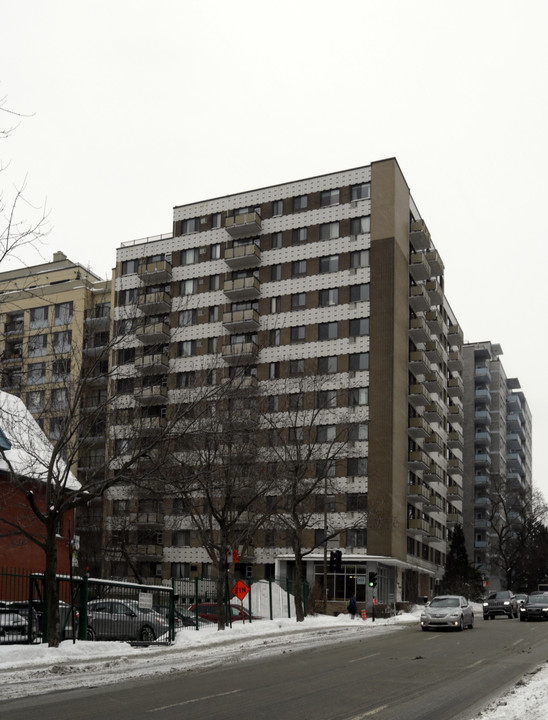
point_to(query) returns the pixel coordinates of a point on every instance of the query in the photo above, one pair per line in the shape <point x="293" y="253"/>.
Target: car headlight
<point x="507" y="602"/>
<point x="485" y="604"/>
<point x="522" y="609"/>
<point x="544" y="609"/>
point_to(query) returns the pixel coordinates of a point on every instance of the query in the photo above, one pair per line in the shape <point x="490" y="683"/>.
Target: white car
<point x="13" y="627"/>
<point x="448" y="611"/>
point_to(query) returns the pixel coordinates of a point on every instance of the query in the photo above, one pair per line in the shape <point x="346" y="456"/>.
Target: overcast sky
<point x="136" y="106"/>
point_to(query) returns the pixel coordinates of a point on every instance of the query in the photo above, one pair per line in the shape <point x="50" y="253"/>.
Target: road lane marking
<point x="517" y="642"/>
<point x="369" y="713"/>
<point x="365" y="657"/>
<point x="478" y="662"/>
<point x="188" y="702"/>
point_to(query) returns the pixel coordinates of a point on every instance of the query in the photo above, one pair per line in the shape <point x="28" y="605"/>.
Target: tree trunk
<point x="298" y="589"/>
<point x="50" y="583"/>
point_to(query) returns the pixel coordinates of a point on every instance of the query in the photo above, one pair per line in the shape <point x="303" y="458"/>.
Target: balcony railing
<point x="419" y="299"/>
<point x="419" y="237"/>
<point x="419" y="269"/>
<point x="418" y="396"/>
<point x="242" y="288"/>
<point x="241" y="320"/>
<point x="155" y="272"/>
<point x="418" y="331"/>
<point x="153" y="333"/>
<point x="418" y="428"/>
<point x="155" y="302"/>
<point x="243" y="256"/>
<point x="243" y="225"/>
<point x="240" y="353"/>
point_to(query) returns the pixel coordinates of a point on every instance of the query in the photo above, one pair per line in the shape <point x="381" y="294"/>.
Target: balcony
<point x="97" y="318"/>
<point x="454" y="361"/>
<point x="418" y="494"/>
<point x="482" y="417"/>
<point x="155" y="272"/>
<point x="418" y="331"/>
<point x="434" y="322"/>
<point x="418" y="428"/>
<point x="455" y="440"/>
<point x="247" y="288"/>
<point x="435" y="534"/>
<point x="435" y="291"/>
<point x="482" y="459"/>
<point x="147" y="518"/>
<point x="454" y="492"/>
<point x="454" y="518"/>
<point x="434" y="382"/>
<point x="153" y="424"/>
<point x="15" y="327"/>
<point x="433" y="443"/>
<point x="434" y="413"/>
<point x="418" y="396"/>
<point x="435" y="262"/>
<point x="240" y="353"/>
<point x="243" y="256"/>
<point x="418" y="363"/>
<point x="482" y="375"/>
<point x="151" y="364"/>
<point x="514" y="442"/>
<point x="419" y="237"/>
<point x="514" y="462"/>
<point x="418" y="460"/>
<point x="152" y="394"/>
<point x="243" y="225"/>
<point x="482" y="396"/>
<point x="434" y="474"/>
<point x="153" y="333"/>
<point x="155" y="302"/>
<point x="419" y="299"/>
<point x="514" y="422"/>
<point x="241" y="321"/>
<point x="455" y="467"/>
<point x="434" y="351"/>
<point x="482" y="438"/>
<point x="482" y="501"/>
<point x="455" y="415"/>
<point x="454" y="336"/>
<point x="95" y="349"/>
<point x="455" y="387"/>
<point x="435" y="503"/>
<point x="482" y="480"/>
<point x="419" y="269"/>
<point x="149" y="552"/>
<point x="417" y="526"/>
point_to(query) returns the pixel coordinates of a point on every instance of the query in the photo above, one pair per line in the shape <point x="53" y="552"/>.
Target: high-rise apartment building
<point x="497" y="453"/>
<point x="336" y="276"/>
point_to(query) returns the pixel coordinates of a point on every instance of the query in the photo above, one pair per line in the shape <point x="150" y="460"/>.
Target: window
<point x="327" y="365"/>
<point x="275" y="304"/>
<point x="274" y="370"/>
<point x="329" y="263"/>
<point x="359" y="293"/>
<point x="358" y="432"/>
<point x="35" y="401"/>
<point x="296" y="367"/>
<point x="62" y="341"/>
<point x="298" y="334"/>
<point x="328" y="331"/>
<point x="359" y="327"/>
<point x="36" y="374"/>
<point x="181" y="538"/>
<point x="277" y="208"/>
<point x="189" y="287"/>
<point x="190" y="226"/>
<point x="216" y="251"/>
<point x="327" y="398"/>
<point x="273" y="403"/>
<point x="275" y="337"/>
<point x="186" y="348"/>
<point x="187" y="317"/>
<point x="298" y="267"/>
<point x="296" y="401"/>
<point x="329" y="197"/>
<point x="63" y="313"/>
<point x="295" y="434"/>
<point x="128" y="297"/>
<point x="360" y="225"/>
<point x="358" y="396"/>
<point x="180" y="570"/>
<point x="358" y="361"/>
<point x="300" y="202"/>
<point x="216" y="220"/>
<point x="356" y="537"/>
<point x="359" y="258"/>
<point x="185" y="379"/>
<point x="356" y="466"/>
<point x="37" y="345"/>
<point x="326" y="468"/>
<point x="130" y="267"/>
<point x="356" y="502"/>
<point x="189" y="257"/>
<point x="326" y="433"/>
<point x="125" y="386"/>
<point x="299" y="236"/>
<point x="59" y="399"/>
<point x="361" y="192"/>
<point x="38" y="317"/>
<point x="126" y="356"/>
<point x="298" y="300"/>
<point x="214" y="282"/>
<point x="276" y="240"/>
<point x="60" y="370"/>
<point x="329" y="231"/>
<point x="328" y="297"/>
<point x="276" y="272"/>
<point x="214" y="313"/>
<point x="212" y="344"/>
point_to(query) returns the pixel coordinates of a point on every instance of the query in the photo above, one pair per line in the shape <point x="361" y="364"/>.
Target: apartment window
<point x="62" y="341"/>
<point x="296" y="367"/>
<point x="361" y="192"/>
<point x="128" y="297"/>
<point x="276" y="240"/>
<point x="275" y="337"/>
<point x="38" y="317"/>
<point x="329" y="264"/>
<point x="180" y="570"/>
<point x="329" y="197"/>
<point x="298" y="267"/>
<point x="216" y="251"/>
<point x="185" y="379"/>
<point x="59" y="399"/>
<point x="327" y="398"/>
<point x="359" y="258"/>
<point x="327" y="365"/>
<point x="360" y="225"/>
<point x="181" y="538"/>
<point x="298" y="334"/>
<point x="326" y="433"/>
<point x="358" y="432"/>
<point x="190" y="226"/>
<point x="126" y="356"/>
<point x="214" y="282"/>
<point x="359" y="327"/>
<point x="358" y="361"/>
<point x="212" y="345"/>
<point x="326" y="468"/>
<point x="275" y="304"/>
<point x="274" y="370"/>
<point x="216" y="220"/>
<point x="36" y="400"/>
<point x="277" y="208"/>
<point x="295" y="434"/>
<point x="214" y="313"/>
<point x="328" y="331"/>
<point x="36" y="373"/>
<point x="60" y="370"/>
<point x="63" y="313"/>
<point x="356" y="502"/>
<point x="359" y="293"/>
<point x="356" y="537"/>
<point x="130" y="267"/>
<point x="296" y="401"/>
<point x="125" y="386"/>
<point x="37" y="345"/>
<point x="298" y="300"/>
<point x="329" y="231"/>
<point x="186" y="348"/>
<point x="299" y="235"/>
<point x="300" y="202"/>
<point x="328" y="297"/>
<point x="276" y="272"/>
<point x="273" y="403"/>
<point x="356" y="467"/>
<point x="189" y="287"/>
<point x="358" y="396"/>
<point x="187" y="317"/>
<point x="190" y="257"/>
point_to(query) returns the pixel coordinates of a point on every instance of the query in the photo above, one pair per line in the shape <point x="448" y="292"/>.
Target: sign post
<point x="240" y="589"/>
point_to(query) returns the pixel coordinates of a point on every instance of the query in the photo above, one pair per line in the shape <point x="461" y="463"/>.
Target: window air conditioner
<point x="202" y="251"/>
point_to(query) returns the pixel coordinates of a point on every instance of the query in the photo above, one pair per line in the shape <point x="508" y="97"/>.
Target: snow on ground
<point x="37" y="669"/>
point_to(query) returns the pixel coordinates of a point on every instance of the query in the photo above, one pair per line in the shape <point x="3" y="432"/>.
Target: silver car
<point x="13" y="627"/>
<point x="448" y="611"/>
<point x="123" y="620"/>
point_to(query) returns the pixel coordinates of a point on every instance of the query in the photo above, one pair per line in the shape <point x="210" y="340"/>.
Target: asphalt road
<point x="404" y="674"/>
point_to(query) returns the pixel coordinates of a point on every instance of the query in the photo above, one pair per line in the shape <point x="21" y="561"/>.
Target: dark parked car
<point x="208" y="611"/>
<point x="535" y="607"/>
<point x="123" y="620"/>
<point x="181" y="619"/>
<point x="13" y="627"/>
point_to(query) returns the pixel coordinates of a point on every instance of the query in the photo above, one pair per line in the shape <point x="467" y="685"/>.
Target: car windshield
<point x="540" y="599"/>
<point x="502" y="595"/>
<point x="445" y="602"/>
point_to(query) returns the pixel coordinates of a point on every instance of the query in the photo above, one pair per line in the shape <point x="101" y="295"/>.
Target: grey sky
<point x="138" y="106"/>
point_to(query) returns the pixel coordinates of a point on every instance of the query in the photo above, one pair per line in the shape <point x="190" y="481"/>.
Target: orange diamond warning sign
<point x="240" y="590"/>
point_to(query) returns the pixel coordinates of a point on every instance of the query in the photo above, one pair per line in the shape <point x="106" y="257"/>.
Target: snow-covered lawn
<point x="36" y="669"/>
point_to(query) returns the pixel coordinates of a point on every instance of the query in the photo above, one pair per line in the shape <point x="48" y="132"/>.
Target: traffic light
<point x="332" y="561"/>
<point x="338" y="561"/>
<point x="372" y="579"/>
